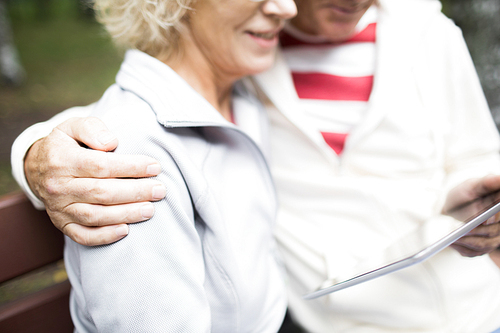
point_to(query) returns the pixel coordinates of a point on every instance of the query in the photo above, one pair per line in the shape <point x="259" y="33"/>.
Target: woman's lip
<point x="264" y="42"/>
<point x="265" y="38"/>
<point x="274" y="31"/>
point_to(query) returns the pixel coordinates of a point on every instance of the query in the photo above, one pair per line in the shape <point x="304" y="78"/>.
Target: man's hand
<point x="486" y="237"/>
<point x="79" y="187"/>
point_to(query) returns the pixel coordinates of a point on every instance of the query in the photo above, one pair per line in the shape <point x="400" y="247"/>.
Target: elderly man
<point x="377" y="124"/>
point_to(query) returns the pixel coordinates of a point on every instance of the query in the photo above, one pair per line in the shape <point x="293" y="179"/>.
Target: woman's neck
<point x="203" y="77"/>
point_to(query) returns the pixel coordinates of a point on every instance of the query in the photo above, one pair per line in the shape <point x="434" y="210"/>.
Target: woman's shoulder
<point x="139" y="131"/>
<point x="124" y="112"/>
<point x="119" y="103"/>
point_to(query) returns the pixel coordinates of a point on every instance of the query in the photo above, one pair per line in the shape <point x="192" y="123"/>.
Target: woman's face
<point x="238" y="37"/>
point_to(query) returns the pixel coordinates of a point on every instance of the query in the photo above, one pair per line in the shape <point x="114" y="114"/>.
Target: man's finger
<point x="98" y="216"/>
<point x="114" y="191"/>
<point x="487" y="231"/>
<point x="90" y="131"/>
<point x="98" y="164"/>
<point x="91" y="236"/>
<point x="475" y="245"/>
<point x="465" y="251"/>
<point x="486" y="185"/>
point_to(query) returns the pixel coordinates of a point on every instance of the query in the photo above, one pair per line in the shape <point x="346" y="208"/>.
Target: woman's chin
<point x="261" y="64"/>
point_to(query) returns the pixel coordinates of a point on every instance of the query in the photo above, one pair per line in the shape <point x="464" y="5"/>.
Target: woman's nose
<point x="284" y="9"/>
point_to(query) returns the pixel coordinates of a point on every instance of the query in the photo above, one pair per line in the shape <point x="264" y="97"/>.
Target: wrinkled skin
<point x="77" y="184"/>
<point x="486" y="237"/>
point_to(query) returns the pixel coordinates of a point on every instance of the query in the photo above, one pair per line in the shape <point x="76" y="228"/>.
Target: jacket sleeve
<point x="153" y="279"/>
<point x="471" y="141"/>
<point x="28" y="137"/>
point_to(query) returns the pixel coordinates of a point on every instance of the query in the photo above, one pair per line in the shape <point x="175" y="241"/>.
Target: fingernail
<point x="159" y="192"/>
<point x="153" y="169"/>
<point x="121" y="230"/>
<point x="106" y="137"/>
<point x="147" y="211"/>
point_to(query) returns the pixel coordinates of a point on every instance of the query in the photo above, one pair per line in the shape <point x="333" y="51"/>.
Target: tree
<point x="11" y="71"/>
<point x="481" y="27"/>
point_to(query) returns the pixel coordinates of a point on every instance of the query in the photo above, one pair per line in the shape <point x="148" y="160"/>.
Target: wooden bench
<point x="29" y="242"/>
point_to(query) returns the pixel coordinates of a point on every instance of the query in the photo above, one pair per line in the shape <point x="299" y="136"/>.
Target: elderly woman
<point x="207" y="260"/>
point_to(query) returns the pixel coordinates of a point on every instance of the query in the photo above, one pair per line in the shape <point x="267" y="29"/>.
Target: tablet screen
<point x="417" y="246"/>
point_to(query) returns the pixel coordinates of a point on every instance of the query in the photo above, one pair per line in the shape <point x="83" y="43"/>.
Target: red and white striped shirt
<point x="333" y="80"/>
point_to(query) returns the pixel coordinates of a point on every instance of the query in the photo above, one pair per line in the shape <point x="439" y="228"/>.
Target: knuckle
<point x="87" y="217"/>
<point x="84" y="215"/>
<point x="142" y="190"/>
<point x="52" y="186"/>
<point x="102" y="166"/>
<point x="90" y="123"/>
<point x="491" y="231"/>
<point x="70" y="231"/>
<point x="129" y="215"/>
<point x="94" y="190"/>
<point x="479" y="246"/>
<point x="50" y="155"/>
<point x="80" y="235"/>
<point x="98" y="167"/>
<point x="100" y="194"/>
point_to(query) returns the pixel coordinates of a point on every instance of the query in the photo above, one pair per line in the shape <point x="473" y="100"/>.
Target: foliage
<point x="68" y="59"/>
<point x="481" y="27"/>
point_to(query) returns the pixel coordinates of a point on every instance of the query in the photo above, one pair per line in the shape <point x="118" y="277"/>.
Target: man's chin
<point x="338" y="32"/>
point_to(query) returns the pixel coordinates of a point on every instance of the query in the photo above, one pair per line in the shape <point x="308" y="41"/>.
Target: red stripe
<point x="367" y="35"/>
<point x="331" y="87"/>
<point x="336" y="141"/>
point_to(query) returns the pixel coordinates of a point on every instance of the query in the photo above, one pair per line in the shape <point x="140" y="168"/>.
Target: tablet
<point x="415" y="247"/>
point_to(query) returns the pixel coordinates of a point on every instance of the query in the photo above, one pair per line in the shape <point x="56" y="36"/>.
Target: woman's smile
<point x="265" y="39"/>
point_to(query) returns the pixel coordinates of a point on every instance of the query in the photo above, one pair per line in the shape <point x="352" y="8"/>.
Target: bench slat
<point x="47" y="311"/>
<point x="28" y="240"/>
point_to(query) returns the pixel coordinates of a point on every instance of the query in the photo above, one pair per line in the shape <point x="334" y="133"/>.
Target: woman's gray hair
<point x="151" y="26"/>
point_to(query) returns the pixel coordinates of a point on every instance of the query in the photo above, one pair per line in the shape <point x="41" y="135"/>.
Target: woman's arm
<point x="152" y="280"/>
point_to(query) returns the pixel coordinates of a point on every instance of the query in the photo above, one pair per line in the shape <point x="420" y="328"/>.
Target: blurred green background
<point x="69" y="60"/>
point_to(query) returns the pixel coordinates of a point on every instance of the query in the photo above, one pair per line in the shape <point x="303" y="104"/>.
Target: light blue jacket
<point x="206" y="261"/>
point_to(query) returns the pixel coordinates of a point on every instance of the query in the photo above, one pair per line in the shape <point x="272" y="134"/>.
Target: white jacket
<point x="428" y="128"/>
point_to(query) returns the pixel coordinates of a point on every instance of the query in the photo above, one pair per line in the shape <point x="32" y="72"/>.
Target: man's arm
<point x="78" y="186"/>
<point x="486" y="237"/>
<point x="472" y="144"/>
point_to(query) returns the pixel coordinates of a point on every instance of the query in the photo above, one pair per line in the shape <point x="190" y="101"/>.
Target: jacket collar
<point x="174" y="101"/>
